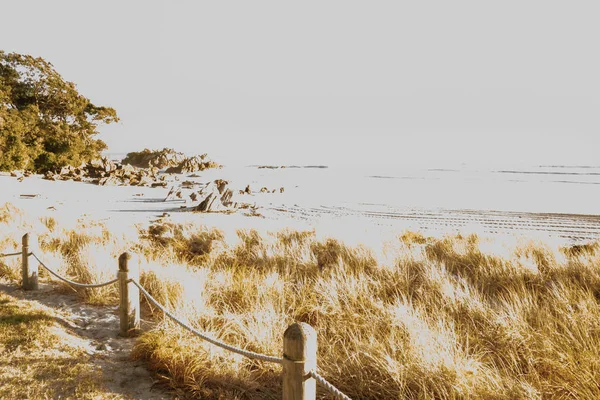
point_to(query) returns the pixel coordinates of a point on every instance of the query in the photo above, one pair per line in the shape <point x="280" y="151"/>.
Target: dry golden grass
<point x="419" y="317"/>
<point x="35" y="362"/>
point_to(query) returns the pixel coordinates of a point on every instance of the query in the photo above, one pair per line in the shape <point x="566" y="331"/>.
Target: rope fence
<point x="332" y="389"/>
<point x="299" y="359"/>
<point x="10" y="254"/>
<point x="70" y="282"/>
<point x="203" y="336"/>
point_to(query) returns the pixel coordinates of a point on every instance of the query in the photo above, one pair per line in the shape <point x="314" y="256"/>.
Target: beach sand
<point x="123" y="207"/>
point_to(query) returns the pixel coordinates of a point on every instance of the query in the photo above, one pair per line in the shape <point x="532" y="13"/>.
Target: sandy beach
<point x="315" y="199"/>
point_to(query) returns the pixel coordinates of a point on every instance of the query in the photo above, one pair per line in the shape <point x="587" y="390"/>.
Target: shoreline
<point x="130" y="205"/>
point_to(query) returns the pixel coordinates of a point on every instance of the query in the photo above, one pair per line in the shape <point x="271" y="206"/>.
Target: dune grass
<point x="35" y="361"/>
<point x="418" y="317"/>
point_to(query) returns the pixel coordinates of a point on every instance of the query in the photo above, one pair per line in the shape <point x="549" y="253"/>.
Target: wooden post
<point x="299" y="358"/>
<point x="129" y="306"/>
<point x="29" y="270"/>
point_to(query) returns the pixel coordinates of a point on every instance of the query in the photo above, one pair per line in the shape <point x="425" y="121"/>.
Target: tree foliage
<point x="45" y="123"/>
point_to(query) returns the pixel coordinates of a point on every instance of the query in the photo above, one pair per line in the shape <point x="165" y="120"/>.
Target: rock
<point x="16" y="174"/>
<point x="109" y="165"/>
<point x="247" y="190"/>
<point x="217" y="197"/>
<point x="159" y="159"/>
<point x="128" y="169"/>
<point x="264" y="190"/>
<point x="158" y="184"/>
<point x="109" y="181"/>
<point x="192" y="164"/>
<point x="97" y="164"/>
<point x="188" y="184"/>
<point x="49" y="176"/>
<point x="281" y="189"/>
<point x="221" y="185"/>
<point x="148" y="181"/>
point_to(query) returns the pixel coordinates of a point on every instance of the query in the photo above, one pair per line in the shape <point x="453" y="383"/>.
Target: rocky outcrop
<point x="264" y="189"/>
<point x="169" y="159"/>
<point x="193" y="164"/>
<point x="161" y="159"/>
<point x="105" y="172"/>
<point x="216" y="197"/>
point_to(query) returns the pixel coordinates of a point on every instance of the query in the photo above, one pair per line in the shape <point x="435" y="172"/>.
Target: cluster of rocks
<point x="271" y="166"/>
<point x="193" y="164"/>
<point x="105" y="172"/>
<point x="264" y="189"/>
<point x="20" y="175"/>
<point x="160" y="159"/>
<point x="173" y="161"/>
<point x="216" y="196"/>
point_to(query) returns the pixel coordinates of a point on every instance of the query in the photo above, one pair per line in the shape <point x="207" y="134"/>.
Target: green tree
<point x="45" y="123"/>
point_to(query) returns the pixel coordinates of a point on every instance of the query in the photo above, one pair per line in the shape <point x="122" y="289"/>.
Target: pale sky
<point x="331" y="82"/>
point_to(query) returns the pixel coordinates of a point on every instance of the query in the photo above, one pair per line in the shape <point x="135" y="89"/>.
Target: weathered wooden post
<point x="299" y="358"/>
<point x="29" y="270"/>
<point x="129" y="306"/>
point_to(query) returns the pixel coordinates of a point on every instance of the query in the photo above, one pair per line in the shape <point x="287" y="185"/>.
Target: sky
<point x="331" y="82"/>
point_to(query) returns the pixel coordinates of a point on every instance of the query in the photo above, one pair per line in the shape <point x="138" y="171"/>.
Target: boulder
<point x="188" y="184"/>
<point x="146" y="181"/>
<point x="109" y="166"/>
<point x="154" y="158"/>
<point x="193" y="164"/>
<point x="221" y="185"/>
<point x="216" y="196"/>
<point x="96" y="164"/>
<point x="111" y="180"/>
<point x="50" y="176"/>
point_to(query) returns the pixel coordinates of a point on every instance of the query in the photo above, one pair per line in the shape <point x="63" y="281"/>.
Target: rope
<point x="332" y="389"/>
<point x="203" y="336"/>
<point x="11" y="254"/>
<point x="82" y="285"/>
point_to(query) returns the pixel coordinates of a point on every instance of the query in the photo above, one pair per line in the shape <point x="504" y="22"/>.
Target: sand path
<point x="94" y="329"/>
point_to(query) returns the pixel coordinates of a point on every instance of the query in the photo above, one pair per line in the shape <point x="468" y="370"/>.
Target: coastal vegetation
<point x="45" y="123"/>
<point x="29" y="338"/>
<point x="458" y="316"/>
